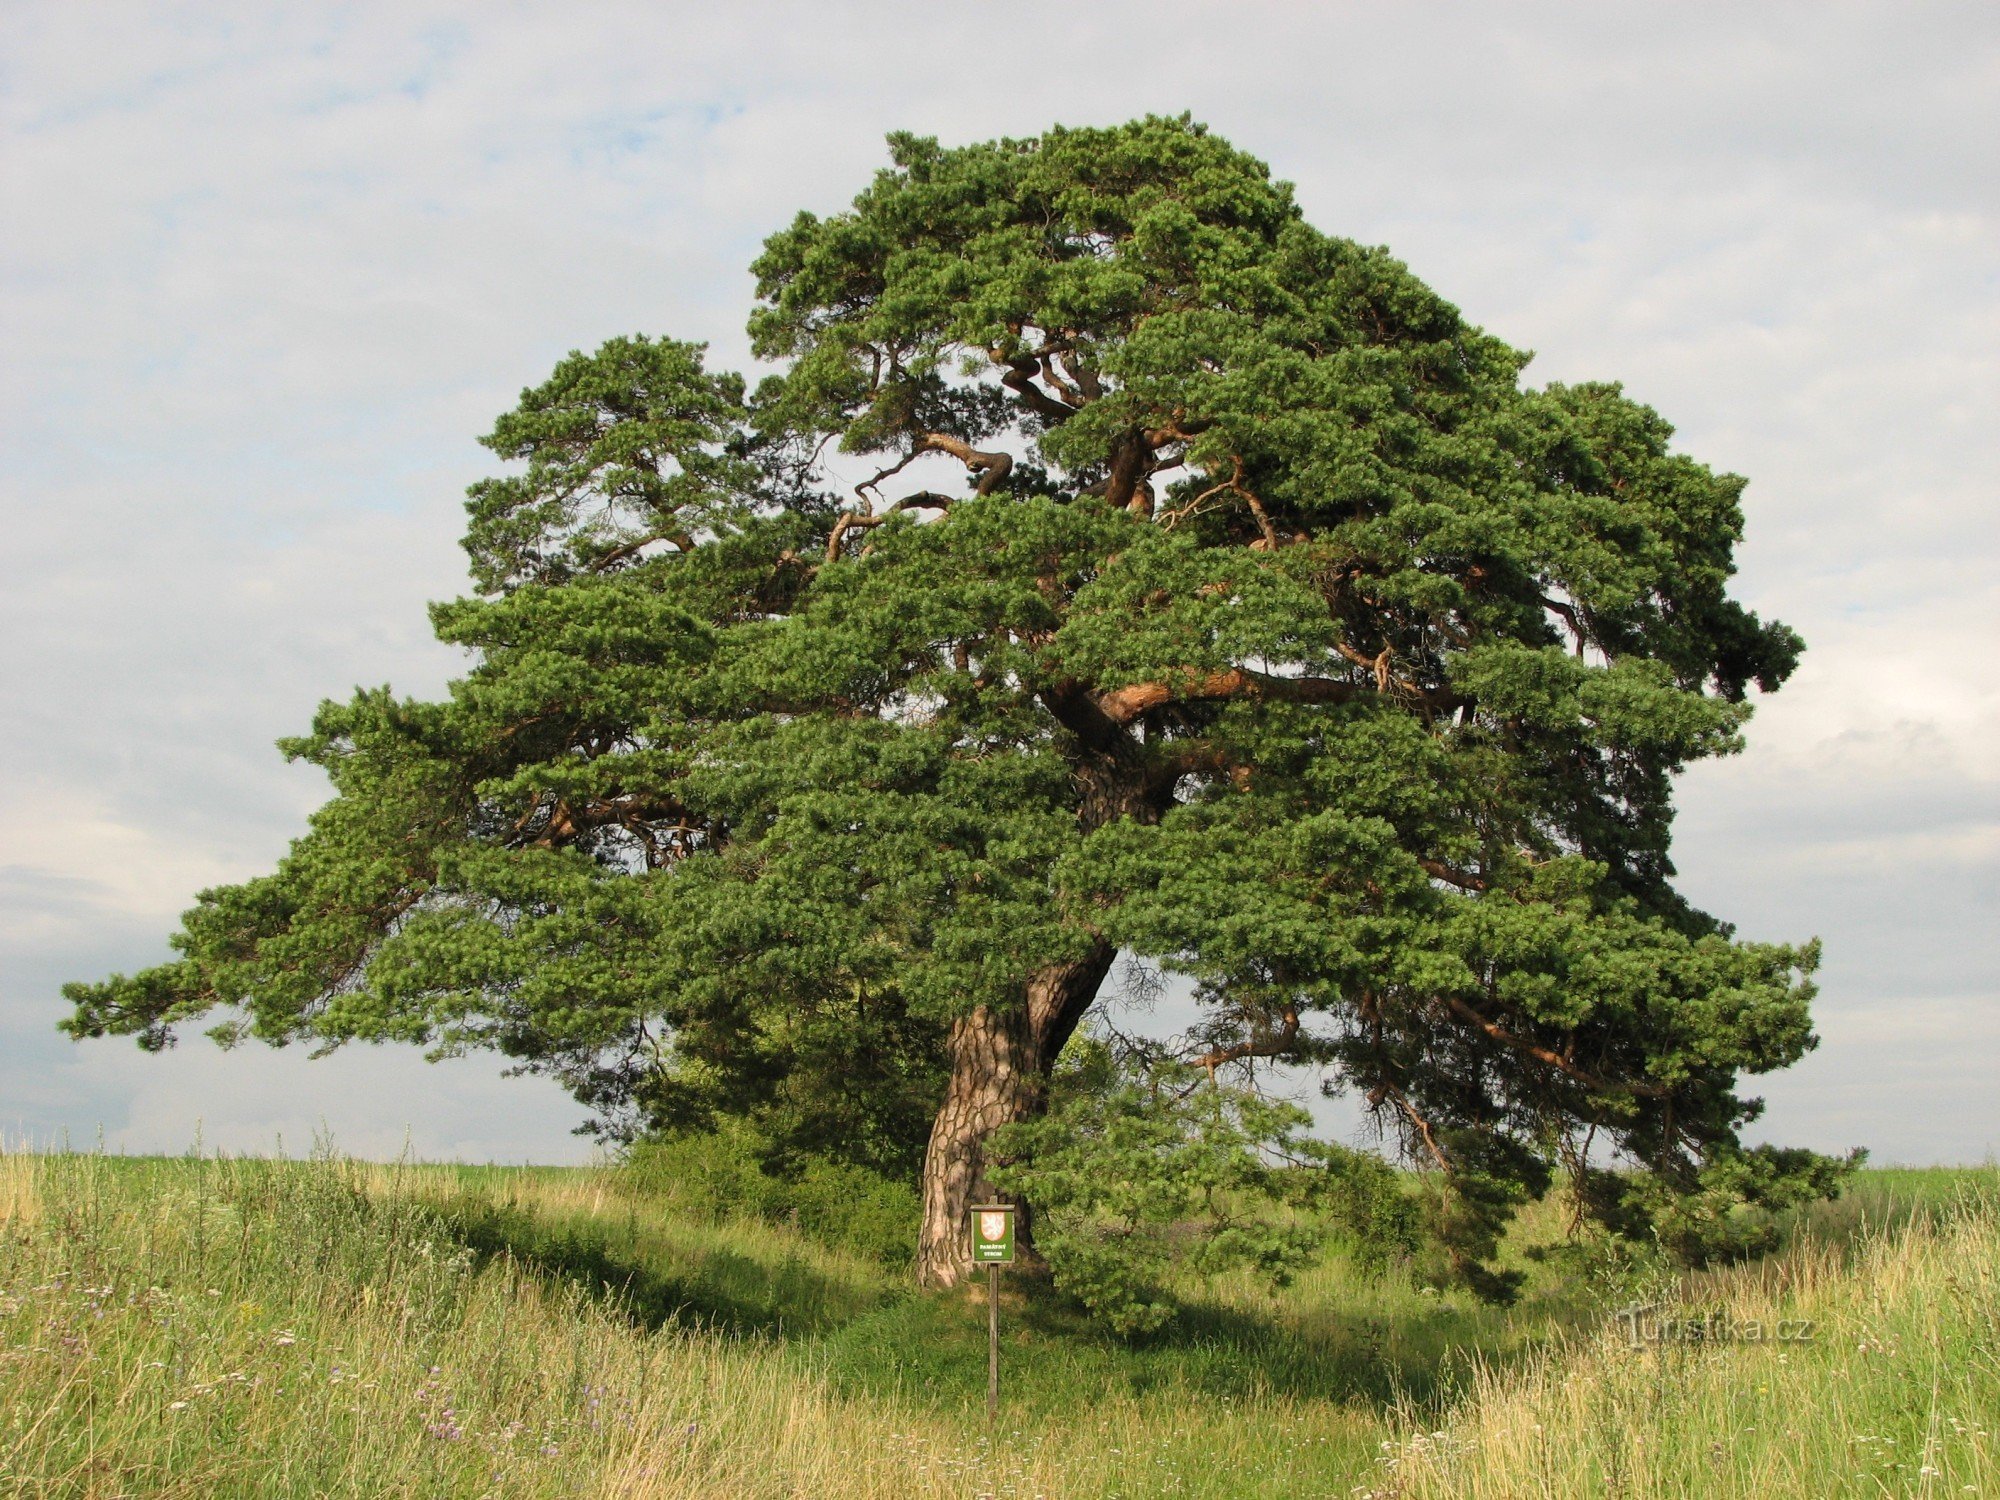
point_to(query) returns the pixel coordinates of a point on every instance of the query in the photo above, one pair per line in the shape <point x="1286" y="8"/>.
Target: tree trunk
<point x="999" y="1065"/>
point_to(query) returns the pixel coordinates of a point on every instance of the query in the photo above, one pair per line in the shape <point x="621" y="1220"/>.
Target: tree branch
<point x="1570" y="618"/>
<point x="1020" y="379"/>
<point x="1122" y="705"/>
<point x="1386" y="1090"/>
<point x="1554" y="1059"/>
<point x="1126" y="485"/>
<point x="680" y="539"/>
<point x="1271" y="1044"/>
<point x="992" y="468"/>
<point x="1438" y="870"/>
<point x="854" y="520"/>
<point x="1077" y="711"/>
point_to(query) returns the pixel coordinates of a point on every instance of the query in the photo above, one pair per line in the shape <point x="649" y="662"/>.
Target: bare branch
<point x="1386" y="1090"/>
<point x="854" y="520"/>
<point x="992" y="468"/>
<point x="1570" y="618"/>
<point x="1438" y="870"/>
<point x="1081" y="376"/>
<point x="895" y="468"/>
<point x="1020" y="379"/>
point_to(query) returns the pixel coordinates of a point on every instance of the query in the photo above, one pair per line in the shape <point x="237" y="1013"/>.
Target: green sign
<point x="993" y="1234"/>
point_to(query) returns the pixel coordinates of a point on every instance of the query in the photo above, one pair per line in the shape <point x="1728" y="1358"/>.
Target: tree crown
<point x="1267" y="625"/>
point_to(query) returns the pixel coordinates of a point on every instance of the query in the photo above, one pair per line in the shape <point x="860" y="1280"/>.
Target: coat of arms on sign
<point x="992" y="1226"/>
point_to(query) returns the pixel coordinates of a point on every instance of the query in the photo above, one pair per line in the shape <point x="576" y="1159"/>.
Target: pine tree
<point x="1215" y="592"/>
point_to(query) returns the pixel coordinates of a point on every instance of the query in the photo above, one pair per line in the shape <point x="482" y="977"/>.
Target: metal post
<point x="992" y="1345"/>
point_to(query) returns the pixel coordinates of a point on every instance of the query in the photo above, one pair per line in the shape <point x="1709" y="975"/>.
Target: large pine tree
<point x="1213" y="591"/>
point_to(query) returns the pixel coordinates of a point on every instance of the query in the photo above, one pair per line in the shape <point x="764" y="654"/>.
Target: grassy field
<point x="206" y="1327"/>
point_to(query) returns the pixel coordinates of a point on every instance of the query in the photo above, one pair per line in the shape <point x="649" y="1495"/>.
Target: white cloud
<point x="266" y="272"/>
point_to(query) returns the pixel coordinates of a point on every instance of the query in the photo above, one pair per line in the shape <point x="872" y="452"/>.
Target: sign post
<point x="992" y="1247"/>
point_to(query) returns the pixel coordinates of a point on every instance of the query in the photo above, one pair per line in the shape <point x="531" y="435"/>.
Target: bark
<point x="1000" y="1058"/>
<point x="999" y="1062"/>
<point x="1126" y="487"/>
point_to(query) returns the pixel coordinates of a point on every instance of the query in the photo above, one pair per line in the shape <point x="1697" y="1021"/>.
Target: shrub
<point x="1139" y="1167"/>
<point x="730" y="1174"/>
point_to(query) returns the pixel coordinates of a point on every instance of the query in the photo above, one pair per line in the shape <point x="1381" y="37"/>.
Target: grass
<point x="206" y="1327"/>
<point x="1863" y="1360"/>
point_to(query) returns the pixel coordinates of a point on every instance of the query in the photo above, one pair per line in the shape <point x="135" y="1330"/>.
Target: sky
<point x="267" y="271"/>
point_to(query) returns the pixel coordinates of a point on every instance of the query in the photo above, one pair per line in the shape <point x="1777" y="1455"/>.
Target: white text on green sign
<point x="993" y="1234"/>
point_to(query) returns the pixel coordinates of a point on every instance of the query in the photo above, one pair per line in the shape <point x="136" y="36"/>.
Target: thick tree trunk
<point x="999" y="1063"/>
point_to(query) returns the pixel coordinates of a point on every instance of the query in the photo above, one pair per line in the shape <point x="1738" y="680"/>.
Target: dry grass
<point x="254" y="1329"/>
<point x="20" y="1201"/>
<point x="1870" y="1368"/>
<point x="249" y="1329"/>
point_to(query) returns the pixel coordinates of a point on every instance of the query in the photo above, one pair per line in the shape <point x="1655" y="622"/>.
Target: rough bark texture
<point x="999" y="1061"/>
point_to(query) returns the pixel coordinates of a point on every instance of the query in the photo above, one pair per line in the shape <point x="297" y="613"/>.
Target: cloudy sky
<point x="266" y="271"/>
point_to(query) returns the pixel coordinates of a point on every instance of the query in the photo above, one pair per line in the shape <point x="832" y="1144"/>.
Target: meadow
<point x="200" y="1326"/>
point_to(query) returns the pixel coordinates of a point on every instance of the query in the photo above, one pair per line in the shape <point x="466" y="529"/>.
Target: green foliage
<point x="708" y="1178"/>
<point x="1220" y="593"/>
<point x="1132" y="1172"/>
<point x="625" y="448"/>
<point x="1368" y="1208"/>
<point x="732" y="1174"/>
<point x="1733" y="1209"/>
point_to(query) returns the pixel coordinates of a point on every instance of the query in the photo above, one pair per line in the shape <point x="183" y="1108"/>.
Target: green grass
<point x="256" y="1328"/>
<point x="1889" y="1383"/>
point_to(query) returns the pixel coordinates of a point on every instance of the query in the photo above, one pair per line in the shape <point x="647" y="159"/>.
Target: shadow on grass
<point x="882" y="1338"/>
<point x="932" y="1350"/>
<point x="885" y="1340"/>
<point x="711" y="1288"/>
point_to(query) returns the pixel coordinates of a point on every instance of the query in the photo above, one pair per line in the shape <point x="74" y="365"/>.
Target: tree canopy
<point x="1211" y="590"/>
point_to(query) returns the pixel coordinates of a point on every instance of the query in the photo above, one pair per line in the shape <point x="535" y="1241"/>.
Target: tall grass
<point x="1864" y="1360"/>
<point x="204" y="1327"/>
<point x="248" y="1328"/>
<point x="20" y="1203"/>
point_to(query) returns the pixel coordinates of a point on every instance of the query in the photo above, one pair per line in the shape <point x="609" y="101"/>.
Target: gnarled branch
<point x="1019" y="378"/>
<point x="855" y="520"/>
<point x="992" y="468"/>
<point x="1277" y="1043"/>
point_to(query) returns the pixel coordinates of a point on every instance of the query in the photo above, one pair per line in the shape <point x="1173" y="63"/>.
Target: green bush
<point x="729" y="1174"/>
<point x="848" y="1205"/>
<point x="1136" y="1169"/>
<point x="711" y="1177"/>
<point x="1369" y="1206"/>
